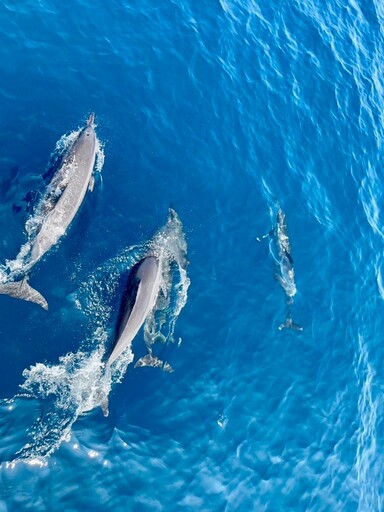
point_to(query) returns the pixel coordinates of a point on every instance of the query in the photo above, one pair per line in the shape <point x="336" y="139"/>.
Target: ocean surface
<point x="224" y="111"/>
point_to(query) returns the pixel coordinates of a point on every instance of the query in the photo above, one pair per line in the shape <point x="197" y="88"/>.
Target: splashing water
<point x="81" y="381"/>
<point x="100" y="156"/>
<point x="66" y="390"/>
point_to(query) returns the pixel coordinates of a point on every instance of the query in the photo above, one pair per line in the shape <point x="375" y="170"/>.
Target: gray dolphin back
<point x="72" y="180"/>
<point x="139" y="298"/>
<point x="75" y="172"/>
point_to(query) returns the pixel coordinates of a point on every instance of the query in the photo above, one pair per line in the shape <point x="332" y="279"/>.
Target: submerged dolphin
<point x="286" y="277"/>
<point x="62" y="200"/>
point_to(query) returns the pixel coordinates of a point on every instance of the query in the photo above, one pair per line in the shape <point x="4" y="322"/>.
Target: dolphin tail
<point x="150" y="360"/>
<point x="22" y="290"/>
<point x="290" y="324"/>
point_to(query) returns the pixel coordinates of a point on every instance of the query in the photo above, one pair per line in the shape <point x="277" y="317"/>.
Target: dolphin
<point x="139" y="298"/>
<point x="61" y="202"/>
<point x="286" y="277"/>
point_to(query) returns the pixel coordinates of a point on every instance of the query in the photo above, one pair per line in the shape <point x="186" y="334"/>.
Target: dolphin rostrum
<point x="62" y="200"/>
<point x="286" y="276"/>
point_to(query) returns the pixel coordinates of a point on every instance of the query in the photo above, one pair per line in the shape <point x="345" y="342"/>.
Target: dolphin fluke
<point x="290" y="324"/>
<point x="150" y="360"/>
<point x="22" y="290"/>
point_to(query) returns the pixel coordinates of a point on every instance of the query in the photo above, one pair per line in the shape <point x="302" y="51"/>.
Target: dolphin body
<point x="140" y="295"/>
<point x="139" y="298"/>
<point x="63" y="198"/>
<point x="286" y="277"/>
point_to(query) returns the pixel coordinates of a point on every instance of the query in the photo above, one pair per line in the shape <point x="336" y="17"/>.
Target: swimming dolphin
<point x="286" y="277"/>
<point x="139" y="298"/>
<point x="61" y="202"/>
<point x="140" y="295"/>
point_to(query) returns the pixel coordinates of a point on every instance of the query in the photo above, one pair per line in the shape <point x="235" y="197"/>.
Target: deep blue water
<point x="223" y="110"/>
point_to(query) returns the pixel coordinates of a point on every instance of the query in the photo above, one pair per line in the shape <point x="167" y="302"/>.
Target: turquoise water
<point x="223" y="111"/>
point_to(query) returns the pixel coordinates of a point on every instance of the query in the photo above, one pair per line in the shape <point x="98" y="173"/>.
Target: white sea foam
<point x="100" y="156"/>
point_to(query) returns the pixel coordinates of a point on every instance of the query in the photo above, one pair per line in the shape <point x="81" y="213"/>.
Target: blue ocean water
<point x="222" y="110"/>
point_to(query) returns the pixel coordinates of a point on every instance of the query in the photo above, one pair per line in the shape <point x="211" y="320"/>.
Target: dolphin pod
<point x="62" y="200"/>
